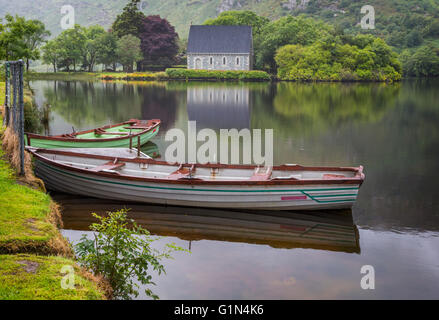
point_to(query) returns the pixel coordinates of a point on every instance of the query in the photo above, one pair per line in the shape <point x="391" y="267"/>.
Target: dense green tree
<point x="414" y="38"/>
<point x="92" y="46"/>
<point x="52" y="53"/>
<point x="72" y="44"/>
<point x="423" y="63"/>
<point x="240" y="18"/>
<point x="34" y="36"/>
<point x="129" y="21"/>
<point x="433" y="28"/>
<point x="21" y="38"/>
<point x="286" y="30"/>
<point x="2" y="48"/>
<point x="128" y="51"/>
<point x="363" y="57"/>
<point x="107" y="45"/>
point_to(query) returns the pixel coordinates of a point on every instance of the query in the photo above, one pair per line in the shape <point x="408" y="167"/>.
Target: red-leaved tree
<point x="158" y="41"/>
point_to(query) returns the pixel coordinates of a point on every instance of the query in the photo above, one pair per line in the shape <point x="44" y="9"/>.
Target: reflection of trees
<point x="401" y="159"/>
<point x="90" y="104"/>
<point x="159" y="102"/>
<point x="312" y="108"/>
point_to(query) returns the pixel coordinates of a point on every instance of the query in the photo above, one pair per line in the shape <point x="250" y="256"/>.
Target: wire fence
<point x="14" y="106"/>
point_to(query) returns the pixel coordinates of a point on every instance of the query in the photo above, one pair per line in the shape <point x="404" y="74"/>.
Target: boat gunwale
<point x="357" y="179"/>
<point x="156" y="122"/>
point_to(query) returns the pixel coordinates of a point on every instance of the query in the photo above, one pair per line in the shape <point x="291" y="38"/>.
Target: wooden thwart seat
<point x="261" y="175"/>
<point x="112" y="165"/>
<point x="333" y="176"/>
<point x="182" y="173"/>
<point x="138" y="127"/>
<point x="100" y="131"/>
<point x="69" y="135"/>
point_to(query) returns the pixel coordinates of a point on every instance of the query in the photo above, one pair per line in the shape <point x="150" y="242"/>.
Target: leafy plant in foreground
<point x="121" y="252"/>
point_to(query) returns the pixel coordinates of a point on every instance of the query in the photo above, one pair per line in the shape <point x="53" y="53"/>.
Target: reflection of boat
<point x="119" y="135"/>
<point x="283" y="187"/>
<point x="319" y="230"/>
<point x="151" y="149"/>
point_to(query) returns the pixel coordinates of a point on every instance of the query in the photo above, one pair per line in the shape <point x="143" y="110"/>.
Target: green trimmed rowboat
<point x="122" y="135"/>
<point x="137" y="179"/>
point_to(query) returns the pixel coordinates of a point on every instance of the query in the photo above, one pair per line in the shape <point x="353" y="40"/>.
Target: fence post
<point x="21" y="113"/>
<point x="7" y="94"/>
<point x="14" y="108"/>
<point x="14" y="97"/>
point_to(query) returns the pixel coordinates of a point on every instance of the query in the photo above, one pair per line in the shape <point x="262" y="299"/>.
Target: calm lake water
<point x="390" y="129"/>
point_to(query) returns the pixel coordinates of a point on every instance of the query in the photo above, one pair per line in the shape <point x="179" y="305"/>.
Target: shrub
<point x="253" y="75"/>
<point x="122" y="254"/>
<point x="364" y="58"/>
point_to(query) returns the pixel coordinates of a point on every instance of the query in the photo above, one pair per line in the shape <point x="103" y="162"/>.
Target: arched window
<point x="237" y="61"/>
<point x="224" y="61"/>
<point x="211" y="60"/>
<point x="197" y="63"/>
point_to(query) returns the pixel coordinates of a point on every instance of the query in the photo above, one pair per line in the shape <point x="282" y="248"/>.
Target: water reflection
<point x="333" y="231"/>
<point x="86" y="105"/>
<point x="391" y="129"/>
<point x="219" y="107"/>
<point x="306" y="109"/>
<point x="151" y="149"/>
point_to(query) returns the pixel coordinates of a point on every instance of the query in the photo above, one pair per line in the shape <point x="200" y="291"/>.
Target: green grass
<point x="25" y="226"/>
<point x="93" y="76"/>
<point x="63" y="76"/>
<point x="24" y="214"/>
<point x="30" y="277"/>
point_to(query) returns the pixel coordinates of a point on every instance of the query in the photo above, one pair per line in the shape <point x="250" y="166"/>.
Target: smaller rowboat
<point x="285" y="187"/>
<point x="122" y="135"/>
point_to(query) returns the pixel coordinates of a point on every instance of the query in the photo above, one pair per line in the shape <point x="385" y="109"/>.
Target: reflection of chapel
<point x="220" y="48"/>
<point x="219" y="107"/>
<point x="218" y="96"/>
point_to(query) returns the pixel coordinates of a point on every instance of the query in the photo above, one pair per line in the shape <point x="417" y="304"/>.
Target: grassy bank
<point x="32" y="277"/>
<point x="135" y="76"/>
<point x="28" y="217"/>
<point x="169" y="74"/>
<point x="30" y="242"/>
<point x="62" y="76"/>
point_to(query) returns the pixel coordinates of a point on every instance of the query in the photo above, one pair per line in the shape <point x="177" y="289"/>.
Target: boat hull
<point x="121" y="143"/>
<point x="279" y="197"/>
<point x="121" y="135"/>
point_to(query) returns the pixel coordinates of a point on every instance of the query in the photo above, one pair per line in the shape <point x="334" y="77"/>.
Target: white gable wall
<point x="216" y="61"/>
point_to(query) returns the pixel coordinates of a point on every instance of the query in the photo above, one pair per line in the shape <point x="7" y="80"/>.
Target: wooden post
<point x="7" y="95"/>
<point x="21" y="114"/>
<point x="138" y="146"/>
<point x="14" y="97"/>
<point x="14" y="104"/>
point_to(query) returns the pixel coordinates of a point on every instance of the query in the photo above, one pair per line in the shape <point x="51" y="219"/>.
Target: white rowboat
<point x="285" y="187"/>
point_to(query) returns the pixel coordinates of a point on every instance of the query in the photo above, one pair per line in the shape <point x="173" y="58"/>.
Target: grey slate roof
<point x="220" y="39"/>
